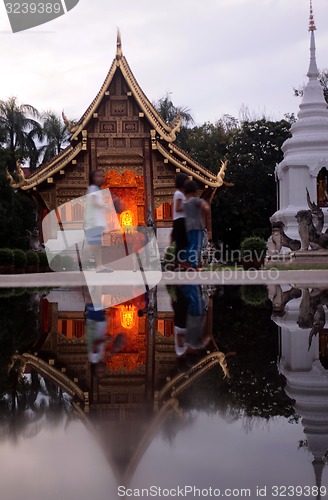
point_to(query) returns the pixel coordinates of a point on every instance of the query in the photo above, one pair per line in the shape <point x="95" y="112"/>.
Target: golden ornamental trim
<point x="215" y="182"/>
<point x="57" y="164"/>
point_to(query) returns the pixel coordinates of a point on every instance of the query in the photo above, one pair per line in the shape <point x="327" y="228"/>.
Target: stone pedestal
<point x="301" y="257"/>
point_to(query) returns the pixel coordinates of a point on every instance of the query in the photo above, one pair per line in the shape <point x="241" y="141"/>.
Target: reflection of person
<point x="96" y="333"/>
<point x="180" y="307"/>
<point x="196" y="336"/>
<point x="189" y="320"/>
<point x="192" y="339"/>
<point x="179" y="235"/>
<point x="97" y="339"/>
<point x="95" y="216"/>
<point x="194" y="208"/>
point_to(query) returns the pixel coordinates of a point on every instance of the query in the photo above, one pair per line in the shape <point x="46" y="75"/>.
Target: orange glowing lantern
<point x="128" y="316"/>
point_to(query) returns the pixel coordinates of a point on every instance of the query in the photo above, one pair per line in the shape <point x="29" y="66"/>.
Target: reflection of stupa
<point x="127" y="407"/>
<point x="307" y="379"/>
<point x="305" y="163"/>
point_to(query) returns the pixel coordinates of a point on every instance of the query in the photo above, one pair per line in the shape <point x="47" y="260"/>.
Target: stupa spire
<point x="312" y="26"/>
<point x="306" y="151"/>
<point x="313" y="68"/>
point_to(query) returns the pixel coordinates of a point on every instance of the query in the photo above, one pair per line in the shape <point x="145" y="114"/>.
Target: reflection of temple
<point x="305" y="163"/>
<point x="307" y="379"/>
<point x="122" y="133"/>
<point x="139" y="391"/>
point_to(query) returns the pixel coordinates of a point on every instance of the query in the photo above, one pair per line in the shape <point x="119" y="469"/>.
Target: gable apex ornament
<point x="119" y="52"/>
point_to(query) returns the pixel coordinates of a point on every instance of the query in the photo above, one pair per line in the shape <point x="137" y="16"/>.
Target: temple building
<point x="122" y="133"/>
<point x="305" y="163"/>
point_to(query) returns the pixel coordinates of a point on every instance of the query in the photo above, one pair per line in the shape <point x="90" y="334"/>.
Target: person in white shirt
<point x="179" y="235"/>
<point x="95" y="216"/>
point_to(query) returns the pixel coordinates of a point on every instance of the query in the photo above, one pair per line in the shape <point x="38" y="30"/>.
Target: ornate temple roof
<point x="162" y="134"/>
<point x="164" y="130"/>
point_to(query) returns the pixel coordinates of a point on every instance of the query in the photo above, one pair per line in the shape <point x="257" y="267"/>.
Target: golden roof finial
<point x="312" y="26"/>
<point x="118" y="45"/>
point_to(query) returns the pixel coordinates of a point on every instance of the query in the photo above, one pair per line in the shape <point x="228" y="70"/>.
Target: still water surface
<point x="247" y="409"/>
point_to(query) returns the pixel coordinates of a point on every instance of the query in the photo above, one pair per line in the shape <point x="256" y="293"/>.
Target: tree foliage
<point x="28" y="137"/>
<point x="55" y="133"/>
<point x="17" y="212"/>
<point x="244" y="209"/>
<point x="19" y="131"/>
<point x="208" y="144"/>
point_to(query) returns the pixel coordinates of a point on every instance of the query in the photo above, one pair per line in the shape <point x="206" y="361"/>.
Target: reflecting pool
<point x="185" y="391"/>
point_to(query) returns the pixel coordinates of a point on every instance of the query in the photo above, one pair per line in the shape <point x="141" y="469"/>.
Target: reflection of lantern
<point x="127" y="218"/>
<point x="128" y="316"/>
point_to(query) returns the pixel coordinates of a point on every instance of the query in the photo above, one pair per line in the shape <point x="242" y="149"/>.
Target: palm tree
<point x="56" y="133"/>
<point x="168" y="111"/>
<point x="34" y="151"/>
<point x="19" y="130"/>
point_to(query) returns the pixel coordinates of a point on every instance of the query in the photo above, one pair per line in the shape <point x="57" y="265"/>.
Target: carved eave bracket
<point x="84" y="140"/>
<point x="153" y="139"/>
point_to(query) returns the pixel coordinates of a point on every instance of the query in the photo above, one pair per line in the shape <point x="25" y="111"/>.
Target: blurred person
<point x="95" y="216"/>
<point x="194" y="208"/>
<point x="179" y="235"/>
